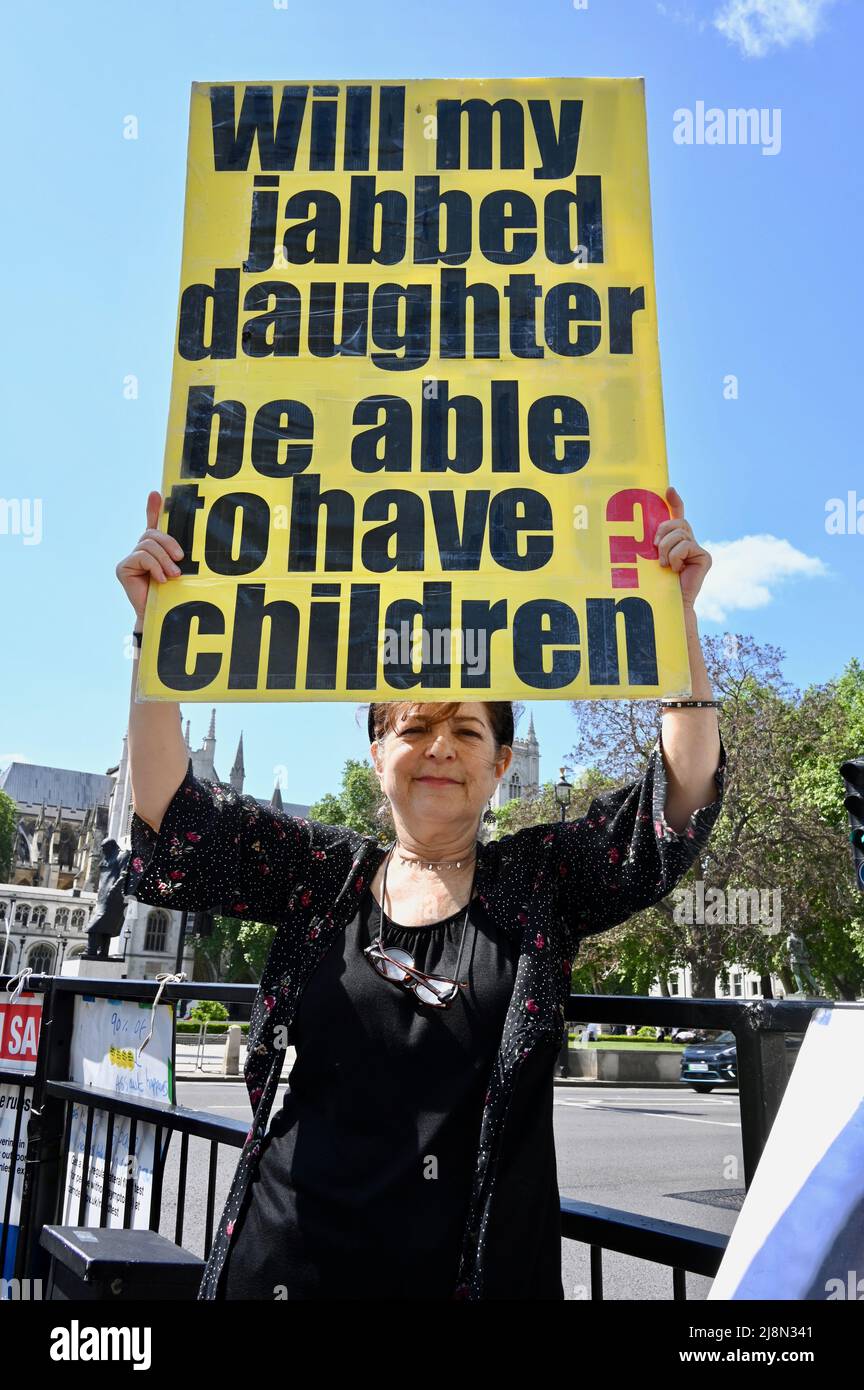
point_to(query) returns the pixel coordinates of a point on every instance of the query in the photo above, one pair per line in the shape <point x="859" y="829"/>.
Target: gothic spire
<point x="238" y="771"/>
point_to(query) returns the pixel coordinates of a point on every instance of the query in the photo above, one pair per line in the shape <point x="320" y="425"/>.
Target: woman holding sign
<point x="422" y="983"/>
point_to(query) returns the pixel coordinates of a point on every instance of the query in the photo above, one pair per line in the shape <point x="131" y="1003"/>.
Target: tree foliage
<point x="8" y="823"/>
<point x="781" y="827"/>
<point x="235" y="953"/>
<point x="542" y="807"/>
<point x="357" y="803"/>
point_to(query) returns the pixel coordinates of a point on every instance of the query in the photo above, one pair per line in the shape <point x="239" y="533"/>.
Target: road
<point x="661" y="1152"/>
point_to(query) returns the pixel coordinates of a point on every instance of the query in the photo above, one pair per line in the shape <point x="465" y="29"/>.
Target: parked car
<point x="714" y="1062"/>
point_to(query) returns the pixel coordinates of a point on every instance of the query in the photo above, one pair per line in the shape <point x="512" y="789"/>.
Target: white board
<point x="107" y="1035"/>
<point x="800" y="1233"/>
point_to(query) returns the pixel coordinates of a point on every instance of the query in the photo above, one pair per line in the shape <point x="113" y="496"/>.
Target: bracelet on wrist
<point x="136" y="637"/>
<point x="691" y="704"/>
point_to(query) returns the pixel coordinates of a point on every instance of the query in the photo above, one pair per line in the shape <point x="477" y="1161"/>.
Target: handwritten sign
<point x="105" y="1052"/>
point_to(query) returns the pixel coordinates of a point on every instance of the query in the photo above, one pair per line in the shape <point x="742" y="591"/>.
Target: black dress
<point x="364" y="1178"/>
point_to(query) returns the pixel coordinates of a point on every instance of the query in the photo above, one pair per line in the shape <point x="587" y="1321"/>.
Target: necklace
<point x="467" y="907"/>
<point x="444" y="864"/>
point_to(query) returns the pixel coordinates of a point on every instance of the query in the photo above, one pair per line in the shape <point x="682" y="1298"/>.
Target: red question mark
<point x="621" y="507"/>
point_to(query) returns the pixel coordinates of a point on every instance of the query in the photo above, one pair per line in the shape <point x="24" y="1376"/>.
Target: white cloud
<point x="682" y="16"/>
<point x="746" y="573"/>
<point x="757" y="26"/>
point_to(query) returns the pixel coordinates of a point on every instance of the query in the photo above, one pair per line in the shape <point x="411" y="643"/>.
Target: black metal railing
<point x="45" y="1198"/>
<point x="759" y="1026"/>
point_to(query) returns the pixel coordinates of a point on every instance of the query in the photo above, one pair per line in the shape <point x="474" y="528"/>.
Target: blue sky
<point x="757" y="271"/>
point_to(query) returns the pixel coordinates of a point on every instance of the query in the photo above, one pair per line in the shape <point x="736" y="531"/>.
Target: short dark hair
<point x="383" y="715"/>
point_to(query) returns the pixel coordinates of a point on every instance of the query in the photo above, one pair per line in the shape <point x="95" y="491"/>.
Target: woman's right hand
<point x="154" y="556"/>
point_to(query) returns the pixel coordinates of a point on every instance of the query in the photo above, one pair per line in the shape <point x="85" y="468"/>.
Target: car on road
<point x="713" y="1062"/>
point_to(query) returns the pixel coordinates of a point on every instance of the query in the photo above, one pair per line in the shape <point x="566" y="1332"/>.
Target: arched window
<point x="22" y="914"/>
<point x="155" y="936"/>
<point x="515" y="787"/>
<point x="61" y="919"/>
<point x="38" y="915"/>
<point x="41" y="958"/>
<point x="79" y="917"/>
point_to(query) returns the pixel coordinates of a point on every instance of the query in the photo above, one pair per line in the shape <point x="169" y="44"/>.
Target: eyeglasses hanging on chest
<point x="397" y="966"/>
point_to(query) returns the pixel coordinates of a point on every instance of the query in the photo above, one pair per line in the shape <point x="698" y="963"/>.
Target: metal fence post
<point x="44" y="1178"/>
<point x="763" y="1071"/>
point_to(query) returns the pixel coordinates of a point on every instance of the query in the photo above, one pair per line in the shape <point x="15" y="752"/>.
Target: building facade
<point x="742" y="984"/>
<point x="62" y="818"/>
<point x="523" y="774"/>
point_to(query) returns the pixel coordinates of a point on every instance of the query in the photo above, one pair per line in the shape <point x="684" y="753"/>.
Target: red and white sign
<point x="20" y="1019"/>
<point x="19" y="1032"/>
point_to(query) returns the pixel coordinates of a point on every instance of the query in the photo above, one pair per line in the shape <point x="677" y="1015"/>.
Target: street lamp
<point x="562" y="794"/>
<point x="126" y="934"/>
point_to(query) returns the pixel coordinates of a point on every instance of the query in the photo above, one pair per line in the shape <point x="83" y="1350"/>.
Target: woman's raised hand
<point x="155" y="556"/>
<point x="679" y="549"/>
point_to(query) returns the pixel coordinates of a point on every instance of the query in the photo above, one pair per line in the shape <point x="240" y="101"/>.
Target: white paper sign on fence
<point x="106" y="1039"/>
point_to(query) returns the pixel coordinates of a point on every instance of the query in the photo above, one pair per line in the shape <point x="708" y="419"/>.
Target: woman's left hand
<point x="679" y="549"/>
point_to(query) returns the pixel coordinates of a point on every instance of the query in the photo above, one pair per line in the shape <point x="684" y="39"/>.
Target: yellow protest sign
<point x="415" y="439"/>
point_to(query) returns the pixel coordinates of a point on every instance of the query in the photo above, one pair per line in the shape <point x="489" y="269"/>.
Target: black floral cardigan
<point x="548" y="885"/>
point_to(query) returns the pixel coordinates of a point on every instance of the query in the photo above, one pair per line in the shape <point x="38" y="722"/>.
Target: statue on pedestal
<point x="799" y="960"/>
<point x="107" y="919"/>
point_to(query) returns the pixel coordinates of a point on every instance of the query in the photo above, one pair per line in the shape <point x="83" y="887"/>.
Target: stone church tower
<point x="523" y="774"/>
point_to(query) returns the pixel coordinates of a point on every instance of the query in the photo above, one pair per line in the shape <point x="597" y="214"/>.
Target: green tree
<point x="831" y="730"/>
<point x="778" y="829"/>
<point x="356" y="804"/>
<point x="8" y="822"/>
<point x="829" y="727"/>
<point x="208" y="1010"/>
<point x="534" y="808"/>
<point x="542" y="807"/>
<point x="236" y="951"/>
